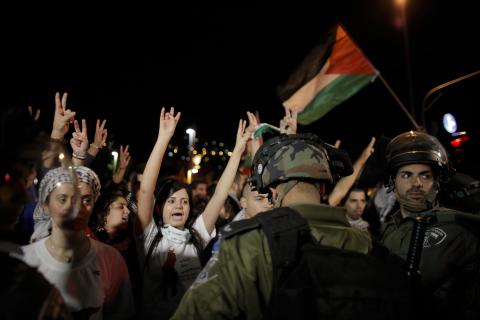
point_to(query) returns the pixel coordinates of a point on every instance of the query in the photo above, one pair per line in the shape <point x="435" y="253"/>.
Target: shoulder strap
<point x="237" y="227"/>
<point x="286" y="230"/>
<point x="282" y="227"/>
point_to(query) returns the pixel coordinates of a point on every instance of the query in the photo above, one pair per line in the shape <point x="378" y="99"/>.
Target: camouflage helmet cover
<point x="287" y="157"/>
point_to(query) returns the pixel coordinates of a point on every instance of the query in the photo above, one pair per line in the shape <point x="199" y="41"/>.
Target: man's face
<point x="414" y="181"/>
<point x="355" y="205"/>
<point x="200" y="191"/>
<point x="254" y="203"/>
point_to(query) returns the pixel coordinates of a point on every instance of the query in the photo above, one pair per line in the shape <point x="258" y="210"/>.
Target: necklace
<point x="68" y="258"/>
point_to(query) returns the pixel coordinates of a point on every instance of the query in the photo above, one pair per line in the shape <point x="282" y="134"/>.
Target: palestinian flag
<point x="332" y="72"/>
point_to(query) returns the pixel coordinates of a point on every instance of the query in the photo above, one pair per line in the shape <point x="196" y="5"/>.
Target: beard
<point x="410" y="206"/>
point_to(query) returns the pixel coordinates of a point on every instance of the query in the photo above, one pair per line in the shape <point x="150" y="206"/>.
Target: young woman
<point x="91" y="276"/>
<point x="112" y="223"/>
<point x="172" y="240"/>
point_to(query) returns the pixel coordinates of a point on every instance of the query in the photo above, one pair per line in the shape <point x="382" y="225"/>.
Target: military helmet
<point x="416" y="147"/>
<point x="297" y="156"/>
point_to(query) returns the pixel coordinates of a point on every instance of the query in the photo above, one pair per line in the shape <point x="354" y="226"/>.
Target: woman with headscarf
<point x="91" y="276"/>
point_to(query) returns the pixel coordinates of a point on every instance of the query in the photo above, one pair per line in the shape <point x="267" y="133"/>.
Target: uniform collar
<point x="321" y="212"/>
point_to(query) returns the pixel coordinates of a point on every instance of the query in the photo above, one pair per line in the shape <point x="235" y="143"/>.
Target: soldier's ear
<point x="274" y="194"/>
<point x="243" y="202"/>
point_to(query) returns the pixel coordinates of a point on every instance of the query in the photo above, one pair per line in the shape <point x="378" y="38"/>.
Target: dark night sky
<point x="215" y="64"/>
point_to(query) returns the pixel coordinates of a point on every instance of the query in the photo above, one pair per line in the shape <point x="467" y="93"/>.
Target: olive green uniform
<point x="449" y="261"/>
<point x="237" y="282"/>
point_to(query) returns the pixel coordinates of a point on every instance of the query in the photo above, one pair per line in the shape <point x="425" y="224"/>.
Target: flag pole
<point x="379" y="74"/>
<point x="400" y="103"/>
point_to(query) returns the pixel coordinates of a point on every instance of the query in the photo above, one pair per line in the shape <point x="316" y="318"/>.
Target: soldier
<point x="446" y="260"/>
<point x="237" y="282"/>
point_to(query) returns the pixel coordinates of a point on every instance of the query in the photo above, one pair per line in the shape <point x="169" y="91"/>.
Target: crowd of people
<point x="141" y="245"/>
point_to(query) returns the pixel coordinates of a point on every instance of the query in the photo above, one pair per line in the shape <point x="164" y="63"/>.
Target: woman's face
<point x="61" y="206"/>
<point x="176" y="209"/>
<point x="117" y="216"/>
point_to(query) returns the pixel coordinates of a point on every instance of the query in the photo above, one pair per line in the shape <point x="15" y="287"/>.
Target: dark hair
<point x="165" y="189"/>
<point x="195" y="183"/>
<point x="100" y="212"/>
<point x="353" y="189"/>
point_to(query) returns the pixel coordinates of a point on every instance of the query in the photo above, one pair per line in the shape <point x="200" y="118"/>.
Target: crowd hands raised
<point x="146" y="239"/>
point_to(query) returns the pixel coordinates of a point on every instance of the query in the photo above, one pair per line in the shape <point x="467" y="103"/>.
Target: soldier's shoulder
<point x="239" y="227"/>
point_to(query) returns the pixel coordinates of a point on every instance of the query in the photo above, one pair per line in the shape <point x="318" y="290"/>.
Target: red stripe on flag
<point x="346" y="58"/>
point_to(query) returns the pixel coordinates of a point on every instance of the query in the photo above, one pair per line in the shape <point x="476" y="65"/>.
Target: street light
<point x="191" y="137"/>
<point x="115" y="159"/>
<point x="191" y="142"/>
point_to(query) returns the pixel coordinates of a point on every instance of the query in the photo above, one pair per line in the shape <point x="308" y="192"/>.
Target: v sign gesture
<point x="62" y="118"/>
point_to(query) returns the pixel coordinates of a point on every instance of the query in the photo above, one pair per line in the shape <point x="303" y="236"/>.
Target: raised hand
<point x="367" y="152"/>
<point x="124" y="157"/>
<point x="242" y="137"/>
<point x="168" y="122"/>
<point x="62" y="118"/>
<point x="37" y="113"/>
<point x="124" y="160"/>
<point x="100" y="139"/>
<point x="288" y="124"/>
<point x="79" y="141"/>
<point x="252" y="123"/>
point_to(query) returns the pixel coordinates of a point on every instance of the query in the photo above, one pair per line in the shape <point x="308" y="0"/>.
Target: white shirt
<point x="97" y="285"/>
<point x="162" y="291"/>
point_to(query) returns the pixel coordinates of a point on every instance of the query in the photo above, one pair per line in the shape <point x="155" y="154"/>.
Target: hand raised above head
<point x="242" y="136"/>
<point x="288" y="124"/>
<point x="62" y="118"/>
<point x="367" y="152"/>
<point x="124" y="157"/>
<point x="100" y="138"/>
<point x="168" y="122"/>
<point x="252" y="122"/>
<point x="79" y="141"/>
<point x="36" y="117"/>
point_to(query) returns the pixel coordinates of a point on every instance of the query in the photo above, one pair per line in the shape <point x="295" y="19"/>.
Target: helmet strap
<point x="284" y="190"/>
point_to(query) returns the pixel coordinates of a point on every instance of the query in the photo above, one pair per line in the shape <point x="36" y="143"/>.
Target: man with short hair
<point x="354" y="205"/>
<point x="199" y="190"/>
<point x="440" y="241"/>
<point x="252" y="203"/>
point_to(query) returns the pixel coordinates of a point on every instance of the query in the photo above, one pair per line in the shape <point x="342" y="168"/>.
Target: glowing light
<point x="194" y="170"/>
<point x="458" y="141"/>
<point x="197" y="159"/>
<point x="115" y="159"/>
<point x="220" y="153"/>
<point x="229" y="153"/>
<point x="190" y="131"/>
<point x="449" y="123"/>
<point x="213" y="152"/>
<point x="61" y="156"/>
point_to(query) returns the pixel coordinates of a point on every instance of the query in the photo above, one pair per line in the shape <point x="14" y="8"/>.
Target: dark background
<point x="214" y="64"/>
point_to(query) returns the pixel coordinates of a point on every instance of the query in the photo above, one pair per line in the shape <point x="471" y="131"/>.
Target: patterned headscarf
<point x="52" y="180"/>
<point x="55" y="177"/>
